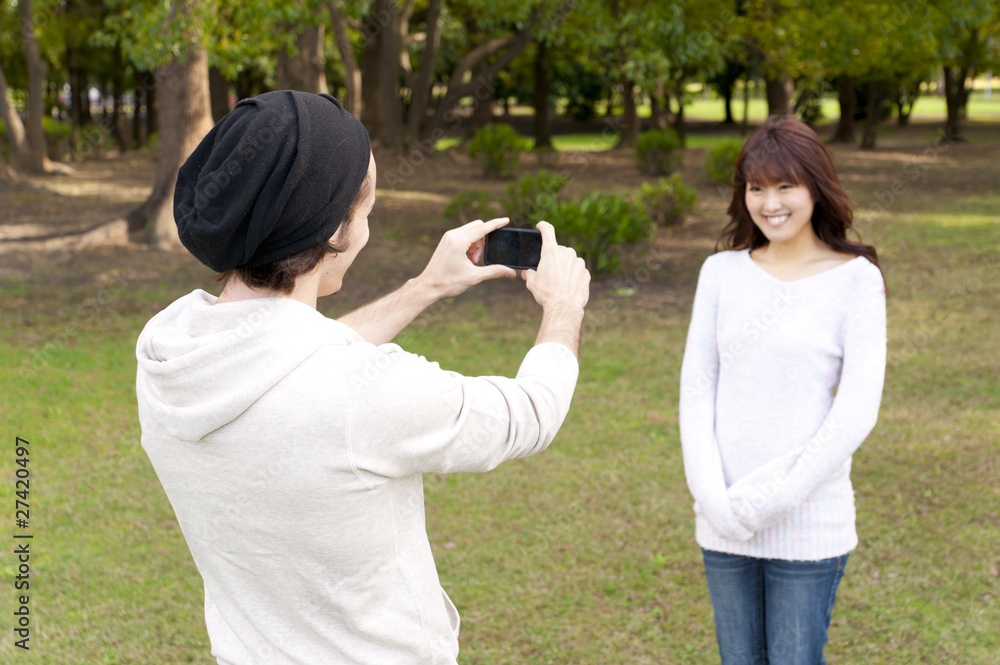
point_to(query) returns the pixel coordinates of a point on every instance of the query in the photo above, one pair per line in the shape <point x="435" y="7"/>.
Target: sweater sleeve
<point x="699" y="378"/>
<point x="765" y="496"/>
<point x="414" y="417"/>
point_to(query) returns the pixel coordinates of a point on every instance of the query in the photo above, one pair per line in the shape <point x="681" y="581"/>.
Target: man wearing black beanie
<point x="290" y="445"/>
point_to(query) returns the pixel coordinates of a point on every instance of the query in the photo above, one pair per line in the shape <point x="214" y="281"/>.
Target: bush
<point x="812" y="111"/>
<point x="721" y="161"/>
<point x="668" y="201"/>
<point x="471" y="204"/>
<point x="659" y="151"/>
<point x="533" y="192"/>
<point x="498" y="146"/>
<point x="598" y="226"/>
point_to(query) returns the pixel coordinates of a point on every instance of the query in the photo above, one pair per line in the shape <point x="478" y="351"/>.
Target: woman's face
<point x="782" y="212"/>
<point x="353" y="236"/>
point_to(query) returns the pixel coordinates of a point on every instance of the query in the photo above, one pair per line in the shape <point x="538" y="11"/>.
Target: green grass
<point x="584" y="554"/>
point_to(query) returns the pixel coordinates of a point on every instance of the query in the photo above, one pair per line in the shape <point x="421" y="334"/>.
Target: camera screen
<point x="517" y="248"/>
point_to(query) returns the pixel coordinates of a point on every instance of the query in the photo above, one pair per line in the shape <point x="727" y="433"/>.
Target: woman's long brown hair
<point x="785" y="150"/>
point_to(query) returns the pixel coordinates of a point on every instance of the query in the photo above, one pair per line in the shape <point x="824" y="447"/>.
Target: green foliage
<point x="812" y="111"/>
<point x="498" y="146"/>
<point x="659" y="151"/>
<point x="471" y="204"/>
<point x="720" y="161"/>
<point x="598" y="226"/>
<point x="669" y="200"/>
<point x="533" y="192"/>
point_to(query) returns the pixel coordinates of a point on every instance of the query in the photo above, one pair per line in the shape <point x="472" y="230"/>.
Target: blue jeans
<point x="769" y="611"/>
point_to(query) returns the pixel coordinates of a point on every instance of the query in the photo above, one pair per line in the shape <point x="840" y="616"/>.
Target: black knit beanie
<point x="274" y="177"/>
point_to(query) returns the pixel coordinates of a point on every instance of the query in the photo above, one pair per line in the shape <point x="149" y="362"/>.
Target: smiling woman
<point x="770" y="415"/>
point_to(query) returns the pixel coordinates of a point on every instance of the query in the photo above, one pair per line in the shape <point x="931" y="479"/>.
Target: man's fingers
<point x="484" y="273"/>
<point x="548" y="234"/>
<point x="478" y="229"/>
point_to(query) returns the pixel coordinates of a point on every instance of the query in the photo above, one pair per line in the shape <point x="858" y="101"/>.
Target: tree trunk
<point x="218" y="88"/>
<point x="371" y="68"/>
<point x="659" y="105"/>
<point x="678" y="123"/>
<point x="543" y="132"/>
<point x="152" y="105"/>
<point x="508" y="48"/>
<point x="185" y="118"/>
<point x="118" y="99"/>
<point x="848" y="104"/>
<point x="779" y="95"/>
<point x="423" y="86"/>
<point x="630" y="115"/>
<point x="75" y="105"/>
<point x="352" y="73"/>
<point x="389" y="82"/>
<point x="19" y="152"/>
<point x="37" y="71"/>
<point x="871" y="122"/>
<point x="137" y="112"/>
<point x="727" y="96"/>
<point x="306" y="70"/>
<point x="954" y="93"/>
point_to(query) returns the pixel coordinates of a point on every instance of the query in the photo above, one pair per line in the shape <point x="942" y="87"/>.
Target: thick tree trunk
<point x="727" y="96"/>
<point x="306" y="70"/>
<point x="630" y="115"/>
<point x="37" y="71"/>
<point x="371" y="68"/>
<point x="389" y="81"/>
<point x="543" y="132"/>
<point x="185" y="118"/>
<point x="19" y="152"/>
<point x="779" y="95"/>
<point x="483" y="98"/>
<point x="218" y="88"/>
<point x="352" y="72"/>
<point x="872" y="119"/>
<point x="848" y="104"/>
<point x="423" y="86"/>
<point x="954" y="93"/>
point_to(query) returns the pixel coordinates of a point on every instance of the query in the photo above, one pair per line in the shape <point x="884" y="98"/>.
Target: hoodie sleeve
<point x="410" y="416"/>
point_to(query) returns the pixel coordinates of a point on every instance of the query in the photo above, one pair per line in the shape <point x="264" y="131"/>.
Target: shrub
<point x="598" y="226"/>
<point x="498" y="146"/>
<point x="721" y="161"/>
<point x="668" y="201"/>
<point x="471" y="204"/>
<point x="812" y="111"/>
<point x="533" y="192"/>
<point x="659" y="151"/>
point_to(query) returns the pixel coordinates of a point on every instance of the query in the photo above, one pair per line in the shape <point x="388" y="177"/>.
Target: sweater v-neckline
<point x="799" y="279"/>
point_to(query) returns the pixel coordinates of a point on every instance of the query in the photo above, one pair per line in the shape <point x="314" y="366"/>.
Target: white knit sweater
<point x="780" y="384"/>
<point x="292" y="452"/>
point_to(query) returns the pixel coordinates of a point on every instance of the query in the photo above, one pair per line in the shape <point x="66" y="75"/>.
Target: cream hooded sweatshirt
<point x="292" y="453"/>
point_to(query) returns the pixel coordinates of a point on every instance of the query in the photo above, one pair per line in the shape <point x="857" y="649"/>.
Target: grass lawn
<point x="585" y="553"/>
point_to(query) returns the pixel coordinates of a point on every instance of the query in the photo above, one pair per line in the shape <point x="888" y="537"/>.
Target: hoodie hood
<point x="202" y="364"/>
